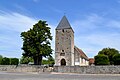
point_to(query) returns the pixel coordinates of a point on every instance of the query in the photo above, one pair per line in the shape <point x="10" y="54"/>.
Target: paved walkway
<point x="56" y="76"/>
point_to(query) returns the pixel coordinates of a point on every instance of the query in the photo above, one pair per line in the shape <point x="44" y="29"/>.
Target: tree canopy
<point x="5" y="61"/>
<point x="108" y="52"/>
<point x="14" y="61"/>
<point x="26" y="60"/>
<point x="116" y="59"/>
<point x="101" y="59"/>
<point x="50" y="61"/>
<point x="36" y="42"/>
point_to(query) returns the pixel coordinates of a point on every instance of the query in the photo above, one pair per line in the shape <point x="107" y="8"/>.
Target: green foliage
<point x="14" y="61"/>
<point x="101" y="59"/>
<point x="25" y="60"/>
<point x="5" y="61"/>
<point x="44" y="62"/>
<point x="8" y="61"/>
<point x="116" y="59"/>
<point x="0" y="59"/>
<point x="1" y="56"/>
<point x="49" y="62"/>
<point x="36" y="42"/>
<point x="110" y="52"/>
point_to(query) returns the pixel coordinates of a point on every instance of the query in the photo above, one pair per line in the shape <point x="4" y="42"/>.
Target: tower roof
<point x="64" y="24"/>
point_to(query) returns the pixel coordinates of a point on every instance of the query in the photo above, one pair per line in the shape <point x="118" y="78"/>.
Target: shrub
<point x="0" y="59"/>
<point x="101" y="59"/>
<point x="116" y="59"/>
<point x="5" y="61"/>
<point x="14" y="61"/>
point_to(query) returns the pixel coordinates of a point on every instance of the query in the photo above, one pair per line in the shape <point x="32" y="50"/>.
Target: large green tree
<point x="110" y="52"/>
<point x="116" y="59"/>
<point x="36" y="42"/>
<point x="101" y="59"/>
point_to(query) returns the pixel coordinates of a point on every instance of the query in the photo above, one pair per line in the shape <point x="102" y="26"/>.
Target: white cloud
<point x="16" y="21"/>
<point x="89" y="22"/>
<point x="11" y="25"/>
<point x="96" y="32"/>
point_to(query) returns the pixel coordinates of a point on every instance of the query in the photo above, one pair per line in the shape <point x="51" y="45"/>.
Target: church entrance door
<point x="63" y="62"/>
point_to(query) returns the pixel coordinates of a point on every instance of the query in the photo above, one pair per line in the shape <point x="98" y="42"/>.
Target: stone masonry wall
<point x="88" y="69"/>
<point x="24" y="68"/>
<point x="63" y="69"/>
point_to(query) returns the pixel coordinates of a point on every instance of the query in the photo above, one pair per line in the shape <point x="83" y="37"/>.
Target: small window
<point x="62" y="50"/>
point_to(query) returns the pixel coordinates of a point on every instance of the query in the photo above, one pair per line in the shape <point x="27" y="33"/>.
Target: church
<point x="66" y="53"/>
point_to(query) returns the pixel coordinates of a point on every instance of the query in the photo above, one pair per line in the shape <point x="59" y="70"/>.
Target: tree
<point x="116" y="59"/>
<point x="1" y="59"/>
<point x="14" y="61"/>
<point x="25" y="60"/>
<point x="51" y="61"/>
<point x="36" y="42"/>
<point x="101" y="59"/>
<point x="44" y="62"/>
<point x="1" y="56"/>
<point x="110" y="52"/>
<point x="5" y="61"/>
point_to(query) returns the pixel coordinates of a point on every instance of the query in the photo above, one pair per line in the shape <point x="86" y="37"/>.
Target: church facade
<point x="66" y="53"/>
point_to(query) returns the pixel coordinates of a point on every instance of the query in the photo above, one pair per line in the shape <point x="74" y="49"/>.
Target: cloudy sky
<point x="96" y="23"/>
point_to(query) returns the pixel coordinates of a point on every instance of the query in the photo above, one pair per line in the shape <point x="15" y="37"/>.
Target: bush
<point x="101" y="59"/>
<point x="1" y="59"/>
<point x="14" y="61"/>
<point x="116" y="59"/>
<point x="5" y="61"/>
<point x="25" y="60"/>
<point x="110" y="52"/>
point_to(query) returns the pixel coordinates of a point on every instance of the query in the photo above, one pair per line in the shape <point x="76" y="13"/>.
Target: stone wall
<point x="63" y="69"/>
<point x="24" y="68"/>
<point x="88" y="69"/>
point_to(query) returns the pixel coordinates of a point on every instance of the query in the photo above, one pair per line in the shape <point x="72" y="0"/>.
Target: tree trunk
<point x="37" y="60"/>
<point x="40" y="60"/>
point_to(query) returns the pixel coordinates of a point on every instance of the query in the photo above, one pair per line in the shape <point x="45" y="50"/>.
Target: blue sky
<point x="96" y="23"/>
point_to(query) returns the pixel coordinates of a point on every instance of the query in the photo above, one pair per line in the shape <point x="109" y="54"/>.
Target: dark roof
<point x="64" y="24"/>
<point x="82" y="54"/>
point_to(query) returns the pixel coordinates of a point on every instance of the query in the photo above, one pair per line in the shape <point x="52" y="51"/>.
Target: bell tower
<point x="64" y="44"/>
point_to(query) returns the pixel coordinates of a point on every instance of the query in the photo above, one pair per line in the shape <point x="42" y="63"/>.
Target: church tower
<point x="64" y="44"/>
